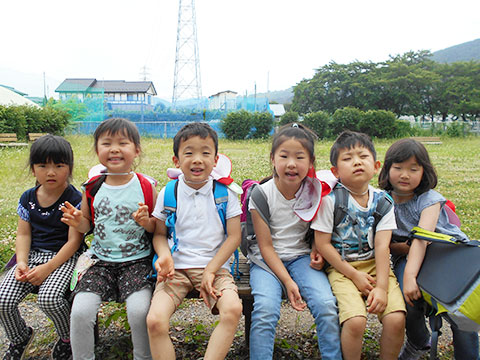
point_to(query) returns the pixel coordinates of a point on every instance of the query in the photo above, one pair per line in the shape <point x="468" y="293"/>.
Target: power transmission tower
<point x="144" y="74"/>
<point x="186" y="81"/>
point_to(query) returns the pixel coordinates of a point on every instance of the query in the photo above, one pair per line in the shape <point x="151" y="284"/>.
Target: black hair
<point x="298" y="132"/>
<point x="348" y="140"/>
<point x="201" y="129"/>
<point x="114" y="126"/>
<point x="51" y="148"/>
<point x="403" y="150"/>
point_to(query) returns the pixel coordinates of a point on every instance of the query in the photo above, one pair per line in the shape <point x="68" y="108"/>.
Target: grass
<point x="456" y="161"/>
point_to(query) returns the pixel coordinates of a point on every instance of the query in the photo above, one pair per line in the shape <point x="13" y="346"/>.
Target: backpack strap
<point x="384" y="205"/>
<point x="341" y="211"/>
<point x="147" y="190"/>
<point x="91" y="189"/>
<point x="220" y="194"/>
<point x="170" y="209"/>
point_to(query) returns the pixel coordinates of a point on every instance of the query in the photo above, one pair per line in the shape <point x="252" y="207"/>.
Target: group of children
<point x="343" y="275"/>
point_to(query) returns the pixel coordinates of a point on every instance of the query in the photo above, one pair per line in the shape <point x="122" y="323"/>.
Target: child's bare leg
<point x="230" y="309"/>
<point x="352" y="337"/>
<point x="392" y="335"/>
<point x="158" y="324"/>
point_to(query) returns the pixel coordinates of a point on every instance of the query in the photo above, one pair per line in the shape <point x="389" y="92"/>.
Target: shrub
<point x="261" y="125"/>
<point x="26" y="119"/>
<point x="236" y="125"/>
<point x="455" y="130"/>
<point x="345" y="119"/>
<point x="402" y="129"/>
<point x="319" y="123"/>
<point x="378" y="123"/>
<point x="288" y="117"/>
<point x="12" y="120"/>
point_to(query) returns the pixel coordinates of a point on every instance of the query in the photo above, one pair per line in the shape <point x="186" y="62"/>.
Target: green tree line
<point x="408" y="84"/>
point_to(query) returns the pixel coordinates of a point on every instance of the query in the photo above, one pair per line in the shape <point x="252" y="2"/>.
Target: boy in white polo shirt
<point x="202" y="249"/>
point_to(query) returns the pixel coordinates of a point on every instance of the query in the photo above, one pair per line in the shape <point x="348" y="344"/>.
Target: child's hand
<point x="141" y="216"/>
<point x="316" y="260"/>
<point x="21" y="272"/>
<point x="38" y="274"/>
<point x="363" y="282"/>
<point x="377" y="301"/>
<point x="207" y="289"/>
<point x="411" y="290"/>
<point x="164" y="267"/>
<point x="294" y="296"/>
<point x="71" y="215"/>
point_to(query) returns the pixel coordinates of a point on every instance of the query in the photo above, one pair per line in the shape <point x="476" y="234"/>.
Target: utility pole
<point x="186" y="79"/>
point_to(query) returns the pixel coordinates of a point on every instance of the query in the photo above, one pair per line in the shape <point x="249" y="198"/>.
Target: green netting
<point x="156" y="122"/>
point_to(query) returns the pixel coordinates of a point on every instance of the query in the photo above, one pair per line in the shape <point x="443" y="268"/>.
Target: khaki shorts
<point x="350" y="300"/>
<point x="185" y="280"/>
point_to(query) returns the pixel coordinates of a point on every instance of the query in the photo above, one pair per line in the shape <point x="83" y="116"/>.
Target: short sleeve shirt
<point x="408" y="215"/>
<point x="287" y="229"/>
<point x="48" y="231"/>
<point x="117" y="237"/>
<point x="199" y="229"/>
<point x="324" y="222"/>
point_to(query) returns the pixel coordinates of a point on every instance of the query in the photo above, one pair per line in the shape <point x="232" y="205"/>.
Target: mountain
<point x="461" y="52"/>
<point x="278" y="96"/>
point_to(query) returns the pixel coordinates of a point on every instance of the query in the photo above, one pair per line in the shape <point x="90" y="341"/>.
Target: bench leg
<point x="247" y="311"/>
<point x="96" y="334"/>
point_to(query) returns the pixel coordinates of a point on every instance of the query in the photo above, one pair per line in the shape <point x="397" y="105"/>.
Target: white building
<point x="224" y="100"/>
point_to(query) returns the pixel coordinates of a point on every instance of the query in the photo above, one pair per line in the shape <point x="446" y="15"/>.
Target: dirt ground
<point x="191" y="327"/>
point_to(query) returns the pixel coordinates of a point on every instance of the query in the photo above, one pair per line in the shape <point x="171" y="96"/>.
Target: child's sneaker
<point x="410" y="352"/>
<point x="17" y="352"/>
<point x="61" y="351"/>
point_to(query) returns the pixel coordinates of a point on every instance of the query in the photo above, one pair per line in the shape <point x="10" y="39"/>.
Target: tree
<point x="236" y="125"/>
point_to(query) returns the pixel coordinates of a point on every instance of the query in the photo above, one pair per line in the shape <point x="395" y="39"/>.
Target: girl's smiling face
<point x="291" y="162"/>
<point x="405" y="176"/>
<point x="116" y="152"/>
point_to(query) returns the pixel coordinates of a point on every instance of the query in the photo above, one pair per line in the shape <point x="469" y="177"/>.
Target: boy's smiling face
<point x="196" y="158"/>
<point x="355" y="167"/>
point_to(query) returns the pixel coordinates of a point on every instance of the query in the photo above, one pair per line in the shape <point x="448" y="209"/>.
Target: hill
<point x="461" y="52"/>
<point x="278" y="96"/>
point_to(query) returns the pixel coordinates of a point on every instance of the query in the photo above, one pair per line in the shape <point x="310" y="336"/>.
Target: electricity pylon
<point x="186" y="81"/>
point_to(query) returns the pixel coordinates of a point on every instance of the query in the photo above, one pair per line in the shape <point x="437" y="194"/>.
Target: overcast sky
<point x="271" y="43"/>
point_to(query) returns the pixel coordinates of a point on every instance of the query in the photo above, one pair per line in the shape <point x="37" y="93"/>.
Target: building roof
<point x="13" y="89"/>
<point x="223" y="92"/>
<point x="278" y="109"/>
<point x="9" y="97"/>
<point x="108" y="86"/>
<point x="75" y="85"/>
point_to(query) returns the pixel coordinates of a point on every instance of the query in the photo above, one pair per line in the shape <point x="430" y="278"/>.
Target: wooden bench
<point x="244" y="292"/>
<point x="430" y="140"/>
<point x="35" y="136"/>
<point x="10" y="140"/>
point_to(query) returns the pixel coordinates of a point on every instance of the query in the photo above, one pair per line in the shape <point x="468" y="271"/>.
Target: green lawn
<point x="456" y="160"/>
